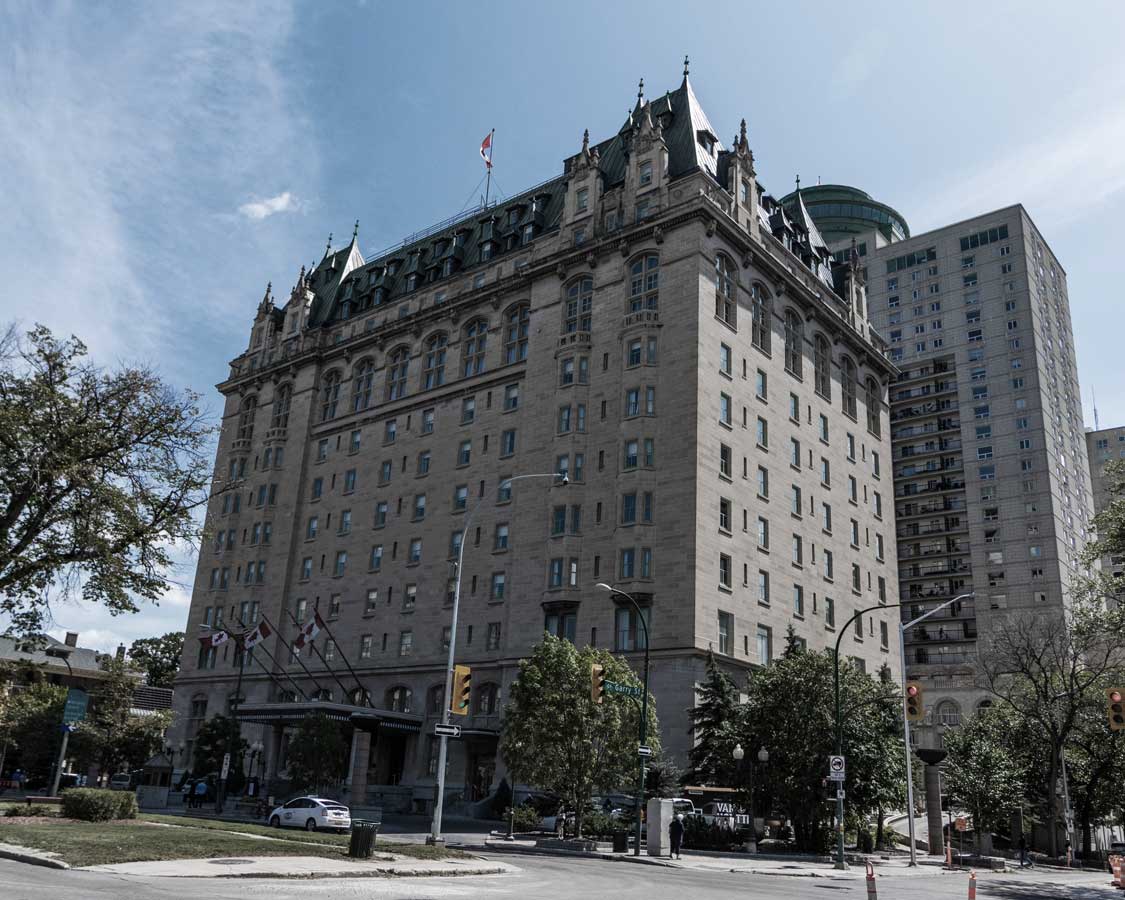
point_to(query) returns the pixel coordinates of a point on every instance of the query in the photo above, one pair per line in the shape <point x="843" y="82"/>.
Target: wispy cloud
<point x="262" y="209"/>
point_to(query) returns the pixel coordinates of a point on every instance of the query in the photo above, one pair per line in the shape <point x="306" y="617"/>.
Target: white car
<point x="312" y="814"/>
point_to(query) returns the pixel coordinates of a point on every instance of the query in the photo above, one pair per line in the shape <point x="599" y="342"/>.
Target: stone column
<point x="274" y="758"/>
<point x="933" y="798"/>
<point x="361" y="758"/>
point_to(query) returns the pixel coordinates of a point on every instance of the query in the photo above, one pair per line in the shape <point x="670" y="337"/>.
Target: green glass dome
<point x="841" y="212"/>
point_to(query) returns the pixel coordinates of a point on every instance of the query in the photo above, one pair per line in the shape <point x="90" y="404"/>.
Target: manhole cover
<point x="231" y="862"/>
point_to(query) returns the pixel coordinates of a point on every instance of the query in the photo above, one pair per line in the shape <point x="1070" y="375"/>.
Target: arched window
<point x="399" y="699"/>
<point x="433" y="373"/>
<point x="281" y="402"/>
<point x="246" y="418"/>
<point x="794" y="343"/>
<point x="847" y="385"/>
<point x="329" y="396"/>
<point x="515" y="334"/>
<point x="362" y="381"/>
<point x="435" y="698"/>
<point x="948" y="713"/>
<point x="822" y="366"/>
<point x="873" y="403"/>
<point x="487" y="700"/>
<point x="644" y="283"/>
<point x="760" y="318"/>
<point x="287" y="696"/>
<point x="472" y="350"/>
<point x="398" y="364"/>
<point x="579" y="302"/>
<point x="726" y="301"/>
<point x="324" y="695"/>
<point x="984" y="704"/>
<point x="360" y="697"/>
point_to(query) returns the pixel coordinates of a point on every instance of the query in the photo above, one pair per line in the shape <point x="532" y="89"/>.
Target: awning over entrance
<point x="362" y="717"/>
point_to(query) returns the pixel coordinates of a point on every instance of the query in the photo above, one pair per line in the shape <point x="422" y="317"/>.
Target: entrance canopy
<point x="362" y="717"/>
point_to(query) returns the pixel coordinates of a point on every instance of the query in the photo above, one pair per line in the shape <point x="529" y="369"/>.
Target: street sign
<point x="629" y="690"/>
<point x="836" y="768"/>
<point x="75" y="709"/>
<point x="226" y="767"/>
<point x="839" y="793"/>
<point x="453" y="731"/>
<point x="644" y="751"/>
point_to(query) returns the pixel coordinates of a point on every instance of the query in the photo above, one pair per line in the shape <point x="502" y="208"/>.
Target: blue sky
<point x="161" y="162"/>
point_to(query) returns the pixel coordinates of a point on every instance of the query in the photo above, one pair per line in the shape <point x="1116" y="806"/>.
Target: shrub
<point x="93" y="805"/>
<point x="28" y="810"/>
<point x="599" y="824"/>
<point x="525" y="818"/>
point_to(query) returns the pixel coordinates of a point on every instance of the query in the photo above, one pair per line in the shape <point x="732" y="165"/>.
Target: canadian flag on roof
<point x="258" y="635"/>
<point x="486" y="150"/>
<point x="309" y="631"/>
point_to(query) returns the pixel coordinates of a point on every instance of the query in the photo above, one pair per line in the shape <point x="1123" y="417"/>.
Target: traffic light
<point x="597" y="682"/>
<point x="1115" y="708"/>
<point x="462" y="690"/>
<point x="915" y="709"/>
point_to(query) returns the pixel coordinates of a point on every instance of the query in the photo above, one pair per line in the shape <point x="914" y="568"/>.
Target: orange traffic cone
<point x="972" y="886"/>
<point x="872" y="894"/>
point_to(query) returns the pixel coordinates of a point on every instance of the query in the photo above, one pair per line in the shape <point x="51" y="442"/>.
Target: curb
<point x="317" y="876"/>
<point x="32" y="859"/>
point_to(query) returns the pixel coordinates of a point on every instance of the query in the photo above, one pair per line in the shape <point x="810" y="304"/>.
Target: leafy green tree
<point x="99" y="475"/>
<point x="1109" y="524"/>
<point x="318" y="754"/>
<point x="1095" y="767"/>
<point x="29" y="725"/>
<point x="557" y="738"/>
<point x="714" y="726"/>
<point x="790" y="711"/>
<point x="159" y="657"/>
<point x="112" y="736"/>
<point x="983" y="773"/>
<point x="663" y="778"/>
<point x="217" y="736"/>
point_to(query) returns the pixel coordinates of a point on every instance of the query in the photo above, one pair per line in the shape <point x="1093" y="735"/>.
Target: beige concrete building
<point x="650" y="323"/>
<point x="1103" y="446"/>
<point x="991" y="482"/>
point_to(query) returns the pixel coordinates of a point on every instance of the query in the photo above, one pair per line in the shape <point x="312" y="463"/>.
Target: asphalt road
<point x="546" y="877"/>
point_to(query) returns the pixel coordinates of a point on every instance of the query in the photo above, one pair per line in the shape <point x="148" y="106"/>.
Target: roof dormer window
<point x="513" y="216"/>
<point x="706" y="140"/>
<point x="412" y="281"/>
<point x="646" y="172"/>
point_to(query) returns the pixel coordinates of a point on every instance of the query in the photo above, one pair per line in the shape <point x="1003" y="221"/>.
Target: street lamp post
<point x="61" y="653"/>
<point x="644" y="713"/>
<point x="763" y="758"/>
<point x="443" y="751"/>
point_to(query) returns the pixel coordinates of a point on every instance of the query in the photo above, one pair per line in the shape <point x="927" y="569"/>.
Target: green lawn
<point x="91" y="844"/>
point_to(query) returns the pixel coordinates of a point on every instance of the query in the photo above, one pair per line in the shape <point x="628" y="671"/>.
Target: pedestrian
<point x="676" y="834"/>
<point x="200" y="793"/>
<point x="1025" y="860"/>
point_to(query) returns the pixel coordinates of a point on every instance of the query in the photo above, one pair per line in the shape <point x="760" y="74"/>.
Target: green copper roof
<point x="841" y="211"/>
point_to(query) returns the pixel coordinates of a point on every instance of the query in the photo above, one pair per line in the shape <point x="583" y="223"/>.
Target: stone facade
<point x="653" y="335"/>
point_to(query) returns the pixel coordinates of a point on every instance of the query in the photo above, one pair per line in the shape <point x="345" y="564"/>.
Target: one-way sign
<point x="453" y="731"/>
<point x="644" y="751"/>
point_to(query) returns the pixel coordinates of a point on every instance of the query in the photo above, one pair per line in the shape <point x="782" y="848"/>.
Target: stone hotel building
<point x="650" y="323"/>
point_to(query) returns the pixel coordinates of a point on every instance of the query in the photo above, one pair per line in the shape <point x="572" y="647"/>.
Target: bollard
<point x="972" y="885"/>
<point x="872" y="894"/>
<point x="949" y="854"/>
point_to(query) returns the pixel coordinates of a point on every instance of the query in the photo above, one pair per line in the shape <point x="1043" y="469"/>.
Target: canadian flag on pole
<point x="258" y="635"/>
<point x="486" y="150"/>
<point x="214" y="639"/>
<point x="309" y="631"/>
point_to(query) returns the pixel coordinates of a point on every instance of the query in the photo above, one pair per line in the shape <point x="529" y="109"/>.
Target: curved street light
<point x="763" y="757"/>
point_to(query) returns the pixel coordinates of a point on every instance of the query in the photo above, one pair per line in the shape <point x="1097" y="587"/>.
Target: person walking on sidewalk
<point x="1025" y="860"/>
<point x="200" y="793"/>
<point x="676" y="834"/>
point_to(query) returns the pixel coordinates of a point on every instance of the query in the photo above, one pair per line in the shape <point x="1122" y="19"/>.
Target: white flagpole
<point x="488" y="176"/>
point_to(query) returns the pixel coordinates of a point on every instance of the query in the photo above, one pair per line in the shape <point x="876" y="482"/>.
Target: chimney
<point x="72" y="638"/>
<point x="120" y="652"/>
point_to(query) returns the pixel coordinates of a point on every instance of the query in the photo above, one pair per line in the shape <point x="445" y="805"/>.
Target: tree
<point x="159" y="657"/>
<point x="99" y="475"/>
<point x="112" y="736"/>
<point x="714" y="725"/>
<point x="216" y="737"/>
<point x="790" y="711"/>
<point x="1109" y="524"/>
<point x="982" y="772"/>
<point x="1044" y="668"/>
<point x="557" y="738"/>
<point x="1095" y="767"/>
<point x="29" y="725"/>
<point x="318" y="754"/>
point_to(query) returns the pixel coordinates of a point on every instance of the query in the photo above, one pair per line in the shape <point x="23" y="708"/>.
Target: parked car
<point x="122" y="781"/>
<point x="312" y="814"/>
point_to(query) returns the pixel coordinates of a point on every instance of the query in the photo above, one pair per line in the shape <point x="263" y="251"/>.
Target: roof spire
<point x="641" y="91"/>
<point x="585" y="140"/>
<point x="798" y="184"/>
<point x="355" y="231"/>
<point x="686" y="65"/>
<point x="742" y="134"/>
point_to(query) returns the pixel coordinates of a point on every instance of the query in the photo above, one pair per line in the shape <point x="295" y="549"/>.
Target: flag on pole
<point x="486" y="150"/>
<point x="214" y="639"/>
<point x="258" y="635"/>
<point x="309" y="631"/>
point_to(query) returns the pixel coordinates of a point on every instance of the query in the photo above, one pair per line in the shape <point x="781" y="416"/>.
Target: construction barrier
<point x="872" y="894"/>
<point x="972" y="885"/>
<point x="1115" y="865"/>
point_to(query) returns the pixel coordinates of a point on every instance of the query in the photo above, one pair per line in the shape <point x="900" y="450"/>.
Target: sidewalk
<point x="306" y="867"/>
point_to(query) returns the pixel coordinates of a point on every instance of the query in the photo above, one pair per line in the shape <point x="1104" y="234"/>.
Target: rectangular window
<point x="726" y="633"/>
<point x="725" y="457"/>
<point x="763" y="482"/>
<point x="765" y="644"/>
<point x="763" y="533"/>
<point x="725" y="359"/>
<point x="798" y="600"/>
<point x="725" y="408"/>
<point x="763" y="587"/>
<point x="724" y="570"/>
<point x="762" y="434"/>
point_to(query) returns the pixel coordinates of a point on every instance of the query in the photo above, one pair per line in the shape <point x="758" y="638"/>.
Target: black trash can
<point x="621" y="842"/>
<point x="362" y="843"/>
